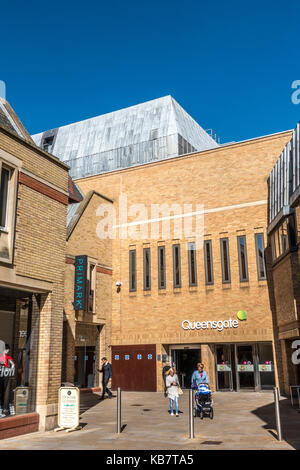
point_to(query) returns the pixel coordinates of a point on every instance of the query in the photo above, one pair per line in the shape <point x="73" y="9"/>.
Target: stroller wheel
<point x="211" y="413"/>
<point x="201" y="414"/>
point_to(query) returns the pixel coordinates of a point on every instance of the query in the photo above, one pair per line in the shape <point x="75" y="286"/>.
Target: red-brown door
<point x="134" y="368"/>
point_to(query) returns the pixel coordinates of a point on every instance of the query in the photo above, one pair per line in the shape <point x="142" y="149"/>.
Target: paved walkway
<point x="242" y="421"/>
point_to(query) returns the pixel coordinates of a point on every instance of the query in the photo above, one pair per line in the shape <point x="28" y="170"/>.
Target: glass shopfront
<point x="18" y="356"/>
<point x="245" y="366"/>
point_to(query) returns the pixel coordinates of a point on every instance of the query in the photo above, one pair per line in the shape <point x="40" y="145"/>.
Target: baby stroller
<point x="203" y="401"/>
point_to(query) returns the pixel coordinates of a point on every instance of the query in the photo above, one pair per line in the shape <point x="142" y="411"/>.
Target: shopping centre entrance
<point x="239" y="366"/>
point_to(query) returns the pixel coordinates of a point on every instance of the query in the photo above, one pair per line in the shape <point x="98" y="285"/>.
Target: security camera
<point x="118" y="283"/>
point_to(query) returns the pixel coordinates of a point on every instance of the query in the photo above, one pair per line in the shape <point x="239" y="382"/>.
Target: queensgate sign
<point x="205" y="325"/>
<point x="219" y="325"/>
<point x="80" y="283"/>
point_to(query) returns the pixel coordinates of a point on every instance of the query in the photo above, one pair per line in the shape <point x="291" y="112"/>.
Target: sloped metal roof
<point x="151" y="131"/>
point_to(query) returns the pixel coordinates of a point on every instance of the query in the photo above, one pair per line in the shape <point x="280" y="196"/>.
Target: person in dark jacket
<point x="106" y="377"/>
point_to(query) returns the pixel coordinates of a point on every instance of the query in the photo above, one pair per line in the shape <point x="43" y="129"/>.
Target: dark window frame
<point x="209" y="244"/>
<point x="256" y="235"/>
<point x="132" y="272"/>
<point x="176" y="283"/>
<point x="4" y="210"/>
<point x="246" y="279"/>
<point x="192" y="249"/>
<point x="161" y="249"/>
<point x="222" y="240"/>
<point x="145" y="251"/>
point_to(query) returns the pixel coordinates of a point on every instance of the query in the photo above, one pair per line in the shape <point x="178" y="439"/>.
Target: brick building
<point x="86" y="326"/>
<point x="284" y="259"/>
<point x="188" y="230"/>
<point x="34" y="199"/>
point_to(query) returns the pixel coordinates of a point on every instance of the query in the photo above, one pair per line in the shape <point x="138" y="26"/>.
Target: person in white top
<point x="172" y="385"/>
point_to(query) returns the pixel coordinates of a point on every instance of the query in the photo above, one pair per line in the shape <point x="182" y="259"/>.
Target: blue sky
<point x="229" y="64"/>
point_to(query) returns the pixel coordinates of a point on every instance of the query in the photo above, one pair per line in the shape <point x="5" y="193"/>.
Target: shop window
<point x="132" y="270"/>
<point x="92" y="288"/>
<point x="161" y="268"/>
<point x="176" y="266"/>
<point x="242" y="254"/>
<point x="225" y="260"/>
<point x="208" y="262"/>
<point x="18" y="359"/>
<point x="192" y="264"/>
<point x="260" y="257"/>
<point x="147" y="269"/>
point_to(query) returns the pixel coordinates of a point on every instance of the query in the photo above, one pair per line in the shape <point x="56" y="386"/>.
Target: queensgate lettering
<point x="80" y="284"/>
<point x="214" y="325"/>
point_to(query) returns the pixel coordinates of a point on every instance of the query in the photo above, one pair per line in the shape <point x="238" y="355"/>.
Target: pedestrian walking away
<point x="172" y="385"/>
<point x="106" y="371"/>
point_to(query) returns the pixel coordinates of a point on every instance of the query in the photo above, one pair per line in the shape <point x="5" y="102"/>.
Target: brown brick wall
<point x="232" y="175"/>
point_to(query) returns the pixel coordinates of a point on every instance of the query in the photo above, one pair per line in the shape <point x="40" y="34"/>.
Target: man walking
<point x="106" y="377"/>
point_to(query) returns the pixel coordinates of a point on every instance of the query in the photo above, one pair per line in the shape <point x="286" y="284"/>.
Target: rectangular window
<point x="242" y="253"/>
<point x="225" y="260"/>
<point x="5" y="178"/>
<point x="176" y="266"/>
<point x="132" y="270"/>
<point x="161" y="268"/>
<point x="147" y="269"/>
<point x="192" y="264"/>
<point x="260" y="257"/>
<point x="208" y="262"/>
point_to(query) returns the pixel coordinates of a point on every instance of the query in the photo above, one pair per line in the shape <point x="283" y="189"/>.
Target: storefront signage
<point x="80" y="283"/>
<point x="223" y="368"/>
<point x="245" y="367"/>
<point x="21" y="400"/>
<point x="265" y="367"/>
<point x="68" y="408"/>
<point x="7" y="371"/>
<point x="214" y="325"/>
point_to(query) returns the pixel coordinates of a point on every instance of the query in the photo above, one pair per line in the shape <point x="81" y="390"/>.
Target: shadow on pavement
<point x="290" y="421"/>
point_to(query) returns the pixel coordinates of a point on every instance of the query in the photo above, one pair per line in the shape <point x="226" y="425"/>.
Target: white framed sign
<point x="68" y="408"/>
<point x="265" y="367"/>
<point x="245" y="368"/>
<point x="223" y="368"/>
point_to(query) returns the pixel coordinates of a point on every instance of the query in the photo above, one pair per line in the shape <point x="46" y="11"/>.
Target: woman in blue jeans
<point x="172" y="384"/>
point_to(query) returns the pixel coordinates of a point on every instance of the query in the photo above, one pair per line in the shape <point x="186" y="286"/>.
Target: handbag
<point x="180" y="392"/>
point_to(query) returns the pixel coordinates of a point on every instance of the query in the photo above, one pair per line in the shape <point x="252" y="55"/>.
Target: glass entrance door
<point x="245" y="367"/>
<point x="265" y="366"/>
<point x="224" y="367"/>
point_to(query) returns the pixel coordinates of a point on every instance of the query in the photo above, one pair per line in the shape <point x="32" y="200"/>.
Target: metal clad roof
<point x="128" y="137"/>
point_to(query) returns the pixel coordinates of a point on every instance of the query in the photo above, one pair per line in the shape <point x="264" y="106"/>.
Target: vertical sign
<point x="80" y="285"/>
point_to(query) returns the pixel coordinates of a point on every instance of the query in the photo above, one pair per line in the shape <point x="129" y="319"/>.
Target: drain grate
<point x="212" y="443"/>
<point x="147" y="409"/>
<point x="135" y="404"/>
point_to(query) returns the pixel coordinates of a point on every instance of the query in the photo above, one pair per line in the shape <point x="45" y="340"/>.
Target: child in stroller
<point x="203" y="401"/>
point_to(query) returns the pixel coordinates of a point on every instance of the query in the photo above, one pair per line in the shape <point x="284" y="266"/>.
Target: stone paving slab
<point x="242" y="421"/>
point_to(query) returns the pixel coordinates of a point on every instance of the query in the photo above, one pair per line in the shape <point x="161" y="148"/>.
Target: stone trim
<point x="43" y="188"/>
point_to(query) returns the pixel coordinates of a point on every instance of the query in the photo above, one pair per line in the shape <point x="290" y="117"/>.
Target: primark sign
<point x="80" y="283"/>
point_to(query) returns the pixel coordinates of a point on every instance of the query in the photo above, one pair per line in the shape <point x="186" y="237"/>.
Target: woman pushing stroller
<point x="203" y="393"/>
